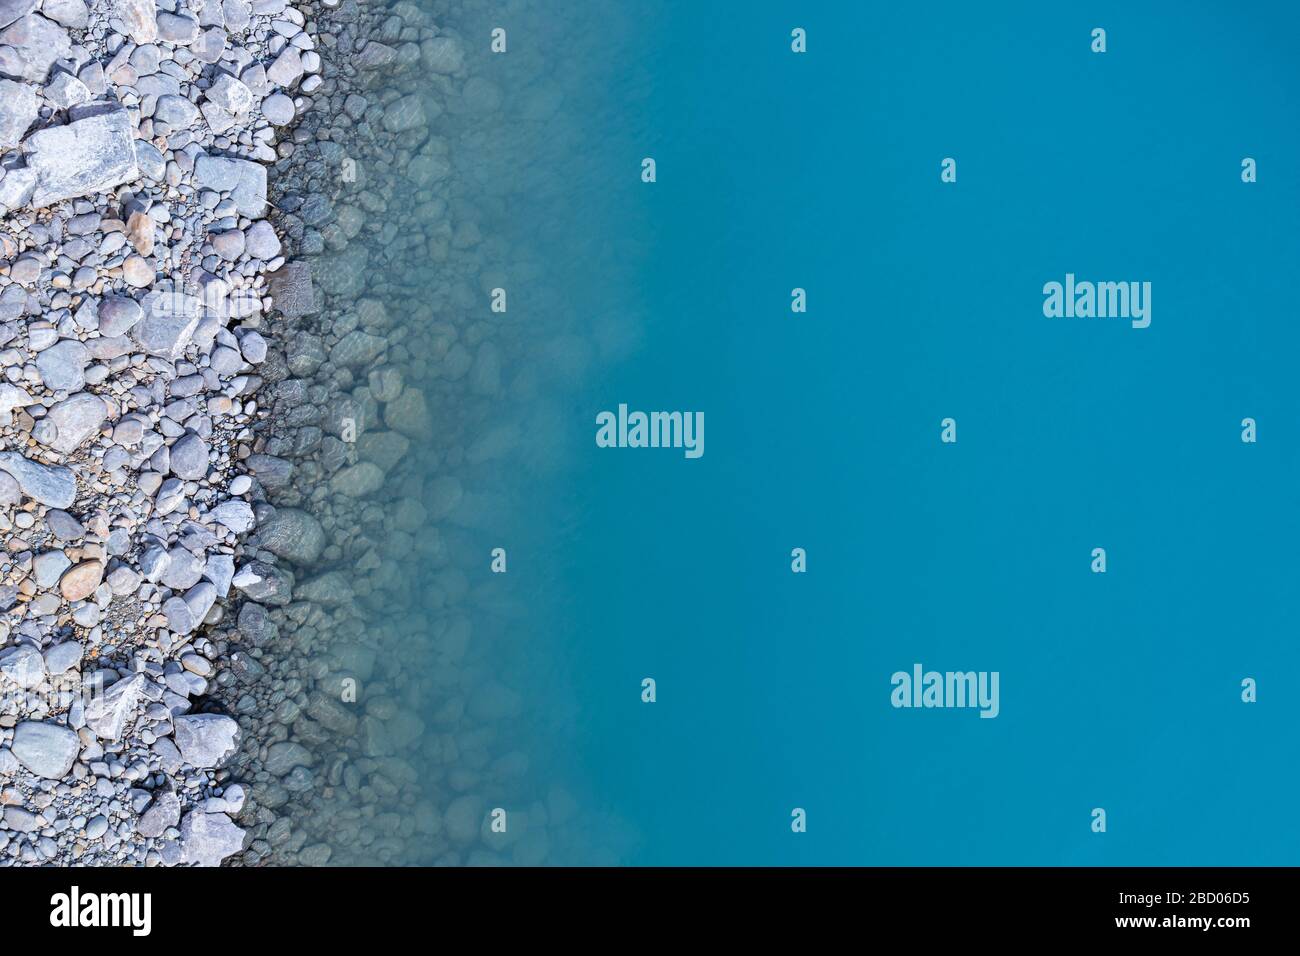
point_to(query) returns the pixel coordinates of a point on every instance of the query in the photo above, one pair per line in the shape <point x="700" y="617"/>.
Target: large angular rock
<point x="107" y="714"/>
<point x="243" y="179"/>
<point x="208" y="838"/>
<point x="23" y="665"/>
<point x="46" y="749"/>
<point x="170" y="319"/>
<point x="30" y="46"/>
<point x="51" y="485"/>
<point x="19" y="106"/>
<point x="89" y="156"/>
<point x="206" y="740"/>
<point x="73" y="14"/>
<point x="162" y="813"/>
<point x="11" y="10"/>
<point x="16" y="189"/>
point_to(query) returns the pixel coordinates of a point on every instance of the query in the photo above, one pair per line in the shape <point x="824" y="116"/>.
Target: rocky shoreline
<point x="134" y="265"/>
<point x="252" y="436"/>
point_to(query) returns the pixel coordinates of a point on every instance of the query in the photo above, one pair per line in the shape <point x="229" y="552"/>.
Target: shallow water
<point x="822" y="171"/>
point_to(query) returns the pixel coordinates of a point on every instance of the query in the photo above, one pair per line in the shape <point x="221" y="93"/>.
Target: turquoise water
<point x="821" y="171"/>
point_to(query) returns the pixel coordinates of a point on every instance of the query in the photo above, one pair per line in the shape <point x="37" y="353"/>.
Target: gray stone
<point x="169" y="322"/>
<point x="287" y="68"/>
<point x="176" y="111"/>
<point x="66" y="91"/>
<point x="357" y="348"/>
<point x="34" y="44"/>
<point x="294" y="535"/>
<point x="71" y="13"/>
<point x="180" y="618"/>
<point x="109" y="713"/>
<point x="235" y="514"/>
<point x="261" y="242"/>
<point x="62" y="658"/>
<point x="264" y="582"/>
<point x="11" y="10"/>
<point x="118" y="315"/>
<point x="19" y="107"/>
<point x="48" y="567"/>
<point x="52" y="485"/>
<point x="283" y="756"/>
<point x="63" y="526"/>
<point x="164" y="812"/>
<point x="206" y="740"/>
<point x="21" y="819"/>
<point x="24" y="666"/>
<point x="230" y="94"/>
<point x="208" y="838"/>
<point x="63" y="365"/>
<point x="176" y="28"/>
<point x="85" y="157"/>
<point x="182" y="570"/>
<point x="356" y="481"/>
<point x="16" y="188"/>
<point x="278" y="109"/>
<point x="243" y="179"/>
<point x="45" y="748"/>
<point x="200" y="599"/>
<point x="77" y="418"/>
<point x="189" y="457"/>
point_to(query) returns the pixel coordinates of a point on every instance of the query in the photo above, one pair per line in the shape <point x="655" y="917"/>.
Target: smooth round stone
<point x="278" y="109"/>
<point x="137" y="272"/>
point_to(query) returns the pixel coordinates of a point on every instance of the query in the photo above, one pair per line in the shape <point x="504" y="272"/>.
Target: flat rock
<point x="72" y="14"/>
<point x="11" y="10"/>
<point x="85" y="157"/>
<point x="164" y="812"/>
<point x="46" y="749"/>
<point x="34" y="44"/>
<point x="108" y="714"/>
<point x="118" y="315"/>
<point x="243" y="179"/>
<point x="16" y="188"/>
<point x="357" y="348"/>
<point x="63" y="365"/>
<point x="52" y="485"/>
<point x="24" y="666"/>
<point x="170" y="319"/>
<point x="19" y="107"/>
<point x="231" y="94"/>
